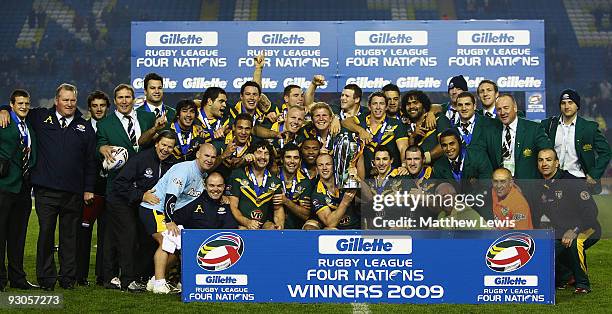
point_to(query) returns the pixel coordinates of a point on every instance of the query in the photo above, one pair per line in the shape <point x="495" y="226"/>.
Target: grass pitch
<point x="97" y="299"/>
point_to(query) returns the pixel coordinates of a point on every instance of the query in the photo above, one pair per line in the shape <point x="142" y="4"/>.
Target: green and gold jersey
<point x="221" y="144"/>
<point x="322" y="199"/>
<point x="298" y="190"/>
<point x="387" y="134"/>
<point x="254" y="202"/>
<point x="258" y="119"/>
<point x="211" y="124"/>
<point x="188" y="142"/>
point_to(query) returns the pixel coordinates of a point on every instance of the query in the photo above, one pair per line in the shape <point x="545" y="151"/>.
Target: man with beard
<point x="309" y="150"/>
<point x="382" y="129"/>
<point x="130" y="188"/>
<point x="422" y="176"/>
<point x="296" y="186"/>
<point x="207" y="211"/>
<point x="182" y="184"/>
<point x="573" y="213"/>
<point x="255" y="194"/>
<point x="154" y="94"/>
<point x="190" y="135"/>
<point x="392" y="93"/>
<point x="235" y="146"/>
<point x="212" y="111"/>
<point x="332" y="208"/>
<point x="415" y="104"/>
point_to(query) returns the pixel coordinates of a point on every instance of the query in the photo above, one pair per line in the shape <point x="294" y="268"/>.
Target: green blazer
<point x="482" y="125"/>
<point x="111" y="132"/>
<point x="10" y="148"/>
<point x="170" y="114"/>
<point x="476" y="166"/>
<point x="591" y="146"/>
<point x="530" y="139"/>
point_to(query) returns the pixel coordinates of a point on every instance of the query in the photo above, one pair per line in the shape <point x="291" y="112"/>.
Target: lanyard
<point x="381" y="132"/>
<point x="258" y="188"/>
<point x="305" y="171"/>
<point x="210" y="130"/>
<point x="380" y="187"/>
<point x="293" y="185"/>
<point x="23" y="132"/>
<point x="184" y="145"/>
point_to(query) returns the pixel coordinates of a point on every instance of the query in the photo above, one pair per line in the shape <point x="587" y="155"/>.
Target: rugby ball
<point x="220" y="251"/>
<point x="121" y="156"/>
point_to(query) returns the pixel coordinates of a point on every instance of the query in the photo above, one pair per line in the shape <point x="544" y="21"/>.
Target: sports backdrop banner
<point x="411" y="54"/>
<point x="371" y="267"/>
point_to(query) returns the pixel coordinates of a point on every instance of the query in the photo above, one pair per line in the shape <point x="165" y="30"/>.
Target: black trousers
<point x="15" y="209"/>
<point x="84" y="235"/>
<point x="122" y="232"/>
<point x="51" y="204"/>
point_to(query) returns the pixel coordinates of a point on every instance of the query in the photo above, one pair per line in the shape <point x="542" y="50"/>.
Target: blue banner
<point x="365" y="266"/>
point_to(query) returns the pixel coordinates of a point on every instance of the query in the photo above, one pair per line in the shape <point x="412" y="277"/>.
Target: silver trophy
<point x="346" y="150"/>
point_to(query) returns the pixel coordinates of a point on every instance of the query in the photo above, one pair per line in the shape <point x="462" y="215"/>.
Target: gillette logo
<point x="329" y="244"/>
<point x="310" y="39"/>
<point x="390" y="38"/>
<point x="493" y="37"/>
<point x="193" y="39"/>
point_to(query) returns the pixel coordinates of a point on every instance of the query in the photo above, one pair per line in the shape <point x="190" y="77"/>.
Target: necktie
<point x="488" y="114"/>
<point x="157" y="113"/>
<point x="24" y="150"/>
<point x="507" y="143"/>
<point x="130" y="130"/>
<point x="63" y="122"/>
<point x="456" y="165"/>
<point x="465" y="126"/>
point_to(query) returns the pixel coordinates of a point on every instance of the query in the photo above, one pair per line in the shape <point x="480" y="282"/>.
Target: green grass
<point x="96" y="299"/>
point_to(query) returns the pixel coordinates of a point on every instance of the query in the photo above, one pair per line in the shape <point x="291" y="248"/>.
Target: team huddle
<point x="145" y="173"/>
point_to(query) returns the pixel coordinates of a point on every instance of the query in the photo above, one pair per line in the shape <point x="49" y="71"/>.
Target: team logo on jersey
<point x="345" y="220"/>
<point x="148" y="173"/>
<point x="505" y="211"/>
<point x="584" y="195"/>
<point x="510" y="252"/>
<point x="559" y="194"/>
<point x="243" y="182"/>
<point x="328" y="200"/>
<point x="257" y="214"/>
<point x="220" y="251"/>
<point x="273" y="186"/>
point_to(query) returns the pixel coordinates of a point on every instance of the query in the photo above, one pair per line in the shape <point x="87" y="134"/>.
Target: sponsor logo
<point x="493" y="37"/>
<point x="510" y="252"/>
<point x="220" y="251"/>
<point x="330" y="244"/>
<point x="191" y="39"/>
<point x="390" y="38"/>
<point x="303" y="39"/>
<point x="221" y="280"/>
<point x="500" y="281"/>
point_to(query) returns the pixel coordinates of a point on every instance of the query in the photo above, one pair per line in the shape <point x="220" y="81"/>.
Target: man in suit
<point x="154" y="92"/>
<point x="18" y="149"/>
<point x="513" y="142"/>
<point x="63" y="179"/>
<point x="583" y="151"/>
<point x="129" y="129"/>
<point x="487" y="92"/>
<point x="472" y="125"/>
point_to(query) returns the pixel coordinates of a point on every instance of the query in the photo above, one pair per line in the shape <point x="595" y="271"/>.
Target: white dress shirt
<point x="125" y="121"/>
<point x="68" y="119"/>
<point x="566" y="149"/>
<point x="508" y="162"/>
